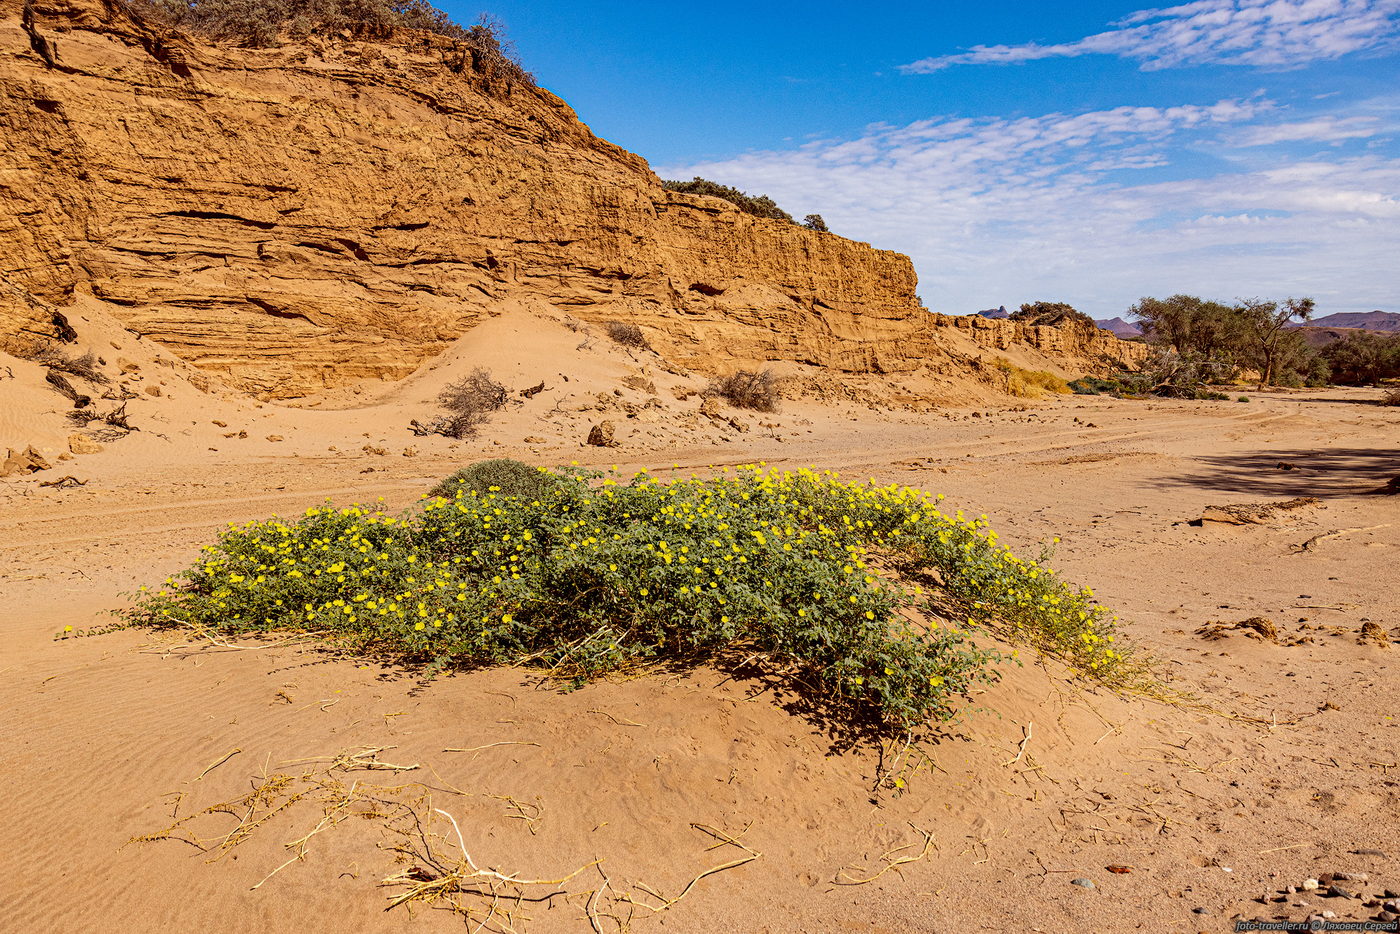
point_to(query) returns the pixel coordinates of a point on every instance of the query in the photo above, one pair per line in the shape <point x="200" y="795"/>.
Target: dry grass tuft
<point x="1029" y="384"/>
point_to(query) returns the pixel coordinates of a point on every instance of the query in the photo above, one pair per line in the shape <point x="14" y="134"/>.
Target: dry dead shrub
<point x="628" y="335"/>
<point x="748" y="389"/>
<point x="85" y="366"/>
<point x="469" y="403"/>
<point x="1391" y="397"/>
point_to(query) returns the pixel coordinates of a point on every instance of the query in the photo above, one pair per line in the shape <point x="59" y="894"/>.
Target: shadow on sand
<point x="1323" y="472"/>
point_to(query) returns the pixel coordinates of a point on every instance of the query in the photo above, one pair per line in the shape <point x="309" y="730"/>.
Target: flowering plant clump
<point x="846" y="586"/>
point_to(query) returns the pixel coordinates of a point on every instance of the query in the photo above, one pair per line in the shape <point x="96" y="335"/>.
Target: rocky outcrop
<point x="1072" y="340"/>
<point x="301" y="217"/>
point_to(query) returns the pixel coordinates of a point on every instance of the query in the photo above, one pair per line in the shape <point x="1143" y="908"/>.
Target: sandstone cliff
<point x="302" y="217"/>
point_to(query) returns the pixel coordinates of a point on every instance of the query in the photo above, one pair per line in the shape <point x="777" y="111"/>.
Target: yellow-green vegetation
<point x="867" y="596"/>
<point x="1029" y="384"/>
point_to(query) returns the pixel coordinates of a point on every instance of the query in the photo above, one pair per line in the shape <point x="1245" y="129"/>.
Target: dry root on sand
<point x="890" y="861"/>
<point x="436" y="870"/>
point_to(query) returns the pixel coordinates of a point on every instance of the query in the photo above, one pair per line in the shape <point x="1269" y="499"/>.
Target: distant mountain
<point x="1366" y="320"/>
<point x="1120" y="328"/>
<point x="1000" y="312"/>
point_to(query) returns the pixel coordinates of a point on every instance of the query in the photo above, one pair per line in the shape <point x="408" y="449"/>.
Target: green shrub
<point x="757" y="205"/>
<point x="1242" y="399"/>
<point x="865" y="597"/>
<point x="1094" y="385"/>
<point x="502" y="475"/>
<point x="1050" y="313"/>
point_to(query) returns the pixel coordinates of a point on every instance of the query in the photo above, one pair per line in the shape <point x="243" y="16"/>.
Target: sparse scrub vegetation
<point x="85" y="366"/>
<point x="1049" y="313"/>
<point x="628" y="335"/>
<point x="757" y="205"/>
<point x="1391" y="397"/>
<point x="469" y="403"/>
<point x="748" y="389"/>
<point x="1029" y="384"/>
<point x="264" y="23"/>
<point x="864" y="598"/>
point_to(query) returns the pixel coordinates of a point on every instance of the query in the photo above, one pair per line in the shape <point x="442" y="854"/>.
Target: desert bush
<point x="1029" y="384"/>
<point x="502" y="475"/>
<point x="263" y="23"/>
<point x="757" y="205"/>
<point x="1050" y="313"/>
<point x="628" y="335"/>
<point x="1094" y="386"/>
<point x="1391" y="397"/>
<point x="469" y="403"/>
<point x="85" y="366"/>
<point x="748" y="389"/>
<point x="865" y="598"/>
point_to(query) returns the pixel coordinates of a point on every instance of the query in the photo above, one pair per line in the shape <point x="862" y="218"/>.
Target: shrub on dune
<point x="866" y="597"/>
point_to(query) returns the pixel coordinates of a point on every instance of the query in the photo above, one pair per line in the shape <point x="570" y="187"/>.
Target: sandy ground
<point x="1295" y="773"/>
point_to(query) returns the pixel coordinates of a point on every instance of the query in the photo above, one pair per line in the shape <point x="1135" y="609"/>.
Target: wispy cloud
<point x="1260" y="33"/>
<point x="1099" y="208"/>
<point x="1328" y="129"/>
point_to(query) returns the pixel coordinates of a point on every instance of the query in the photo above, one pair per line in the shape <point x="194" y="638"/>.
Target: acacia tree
<point x="1191" y="325"/>
<point x="1268" y="334"/>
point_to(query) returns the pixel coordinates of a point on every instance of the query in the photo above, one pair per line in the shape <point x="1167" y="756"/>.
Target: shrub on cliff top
<point x="757" y="205"/>
<point x="262" y="23"/>
<point x="1050" y="313"/>
<point x="862" y="598"/>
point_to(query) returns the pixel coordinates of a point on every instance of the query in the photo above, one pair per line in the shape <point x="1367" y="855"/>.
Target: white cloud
<point x="1091" y="208"/>
<point x="1262" y="33"/>
<point x="1328" y="129"/>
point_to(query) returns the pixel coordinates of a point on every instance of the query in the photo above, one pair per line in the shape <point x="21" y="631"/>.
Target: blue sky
<point x="1088" y="152"/>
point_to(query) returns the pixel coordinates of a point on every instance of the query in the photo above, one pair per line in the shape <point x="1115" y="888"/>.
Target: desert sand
<point x="1281" y="765"/>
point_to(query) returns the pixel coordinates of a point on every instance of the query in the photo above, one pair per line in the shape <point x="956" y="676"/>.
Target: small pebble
<point x="1368" y="852"/>
<point x="1336" y="891"/>
<point x="1199" y="911"/>
<point x="1350" y="876"/>
<point x="1329" y="915"/>
<point x="1292" y="890"/>
<point x="1309" y="885"/>
<point x="1082" y="883"/>
<point x="1387" y="916"/>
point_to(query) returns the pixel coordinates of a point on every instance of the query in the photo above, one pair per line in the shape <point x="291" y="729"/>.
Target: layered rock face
<point x="302" y="217"/>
